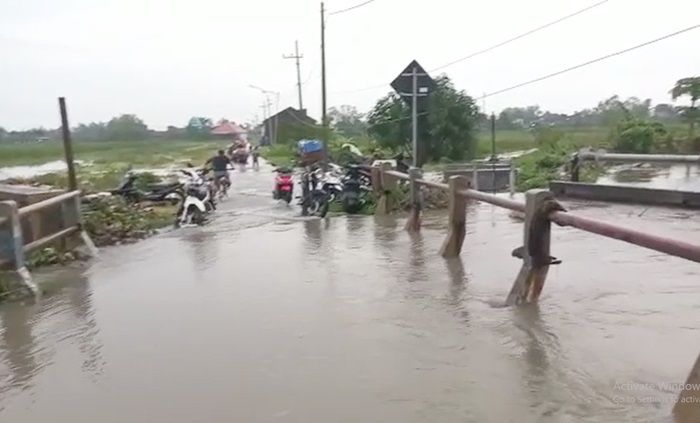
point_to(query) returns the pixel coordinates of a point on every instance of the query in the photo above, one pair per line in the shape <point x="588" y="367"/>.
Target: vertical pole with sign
<point x="414" y="112"/>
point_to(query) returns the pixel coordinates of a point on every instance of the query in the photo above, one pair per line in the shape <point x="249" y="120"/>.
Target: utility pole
<point x="297" y="56"/>
<point x="324" y="120"/>
<point x="67" y="145"/>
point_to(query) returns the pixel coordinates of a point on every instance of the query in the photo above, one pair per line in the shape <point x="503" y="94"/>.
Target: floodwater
<point x="30" y="171"/>
<point x="677" y="177"/>
<point x="265" y="317"/>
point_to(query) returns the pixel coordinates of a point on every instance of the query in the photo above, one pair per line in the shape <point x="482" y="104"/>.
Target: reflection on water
<point x="353" y="319"/>
<point x="30" y="331"/>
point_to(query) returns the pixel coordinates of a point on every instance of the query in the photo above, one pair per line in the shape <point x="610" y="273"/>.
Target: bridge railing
<point x="539" y="210"/>
<point x="53" y="221"/>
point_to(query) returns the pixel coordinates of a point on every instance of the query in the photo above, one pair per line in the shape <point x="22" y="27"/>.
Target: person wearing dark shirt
<point x="219" y="164"/>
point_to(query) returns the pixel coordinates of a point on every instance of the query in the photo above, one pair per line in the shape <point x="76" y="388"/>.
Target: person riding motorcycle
<point x="219" y="164"/>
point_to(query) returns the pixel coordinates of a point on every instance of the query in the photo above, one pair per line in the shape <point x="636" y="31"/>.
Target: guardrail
<point x="66" y="222"/>
<point x="540" y="209"/>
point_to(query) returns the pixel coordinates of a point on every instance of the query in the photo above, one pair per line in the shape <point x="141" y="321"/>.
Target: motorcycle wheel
<point x="194" y="216"/>
<point x="318" y="206"/>
<point x="288" y="197"/>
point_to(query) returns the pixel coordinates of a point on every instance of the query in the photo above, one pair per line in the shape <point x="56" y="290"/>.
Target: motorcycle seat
<point x="163" y="186"/>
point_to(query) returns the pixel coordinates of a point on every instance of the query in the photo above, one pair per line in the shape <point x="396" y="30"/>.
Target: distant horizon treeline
<point x="126" y="127"/>
<point x="347" y="120"/>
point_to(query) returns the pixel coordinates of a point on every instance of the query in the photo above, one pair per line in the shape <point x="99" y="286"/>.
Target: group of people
<point x="220" y="165"/>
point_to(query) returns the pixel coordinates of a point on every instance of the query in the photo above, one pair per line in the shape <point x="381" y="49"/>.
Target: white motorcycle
<point x="198" y="201"/>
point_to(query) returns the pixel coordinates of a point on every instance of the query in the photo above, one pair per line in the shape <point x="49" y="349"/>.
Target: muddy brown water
<point x="264" y="317"/>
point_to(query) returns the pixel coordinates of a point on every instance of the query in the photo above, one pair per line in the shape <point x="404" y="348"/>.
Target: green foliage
<point x="199" y="127"/>
<point x="637" y="136"/>
<point x="290" y="133"/>
<point x="127" y="128"/>
<point x="110" y="220"/>
<point x="689" y="87"/>
<point x="446" y="130"/>
<point x="347" y="121"/>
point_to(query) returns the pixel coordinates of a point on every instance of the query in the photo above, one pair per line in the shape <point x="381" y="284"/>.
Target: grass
<point x="518" y="140"/>
<point x="145" y="153"/>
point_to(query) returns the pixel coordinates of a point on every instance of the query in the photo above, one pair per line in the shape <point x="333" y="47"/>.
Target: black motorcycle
<point x="166" y="192"/>
<point x="314" y="201"/>
<point x="355" y="188"/>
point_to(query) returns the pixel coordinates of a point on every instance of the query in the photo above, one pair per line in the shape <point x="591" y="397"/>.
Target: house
<point x="229" y="131"/>
<point x="289" y="122"/>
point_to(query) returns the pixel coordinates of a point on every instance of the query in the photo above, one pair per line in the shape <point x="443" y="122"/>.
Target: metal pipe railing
<point x="654" y="242"/>
<point x="506" y="203"/>
<point x="635" y="158"/>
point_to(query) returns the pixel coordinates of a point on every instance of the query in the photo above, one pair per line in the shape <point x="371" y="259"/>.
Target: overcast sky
<point x="168" y="60"/>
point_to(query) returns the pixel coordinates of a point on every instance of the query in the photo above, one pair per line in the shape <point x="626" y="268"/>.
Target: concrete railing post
<point x="687" y="408"/>
<point x="388" y="186"/>
<point x="15" y="245"/>
<point x="535" y="250"/>
<point x="511" y="179"/>
<point x="377" y="180"/>
<point x="475" y="176"/>
<point x="457" y="214"/>
<point x="413" y="222"/>
<point x="77" y="217"/>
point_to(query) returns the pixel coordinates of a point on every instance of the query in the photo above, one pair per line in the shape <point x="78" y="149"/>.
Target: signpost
<point x="414" y="83"/>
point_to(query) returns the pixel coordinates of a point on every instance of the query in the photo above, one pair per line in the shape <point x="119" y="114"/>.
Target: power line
<point x="495" y="46"/>
<point x="337" y="12"/>
<point x="523" y="35"/>
<point x="590" y="62"/>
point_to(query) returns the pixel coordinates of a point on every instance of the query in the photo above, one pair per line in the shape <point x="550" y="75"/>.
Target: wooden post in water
<point x="15" y="245"/>
<point x="413" y="222"/>
<point x="457" y="212"/>
<point x="377" y="180"/>
<point x="535" y="250"/>
<point x="67" y="145"/>
<point x="687" y="408"/>
<point x="388" y="186"/>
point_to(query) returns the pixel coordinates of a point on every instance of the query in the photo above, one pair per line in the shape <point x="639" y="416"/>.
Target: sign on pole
<point x="414" y="85"/>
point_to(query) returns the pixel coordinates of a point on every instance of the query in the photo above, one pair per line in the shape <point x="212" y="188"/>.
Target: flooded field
<point x="264" y="317"/>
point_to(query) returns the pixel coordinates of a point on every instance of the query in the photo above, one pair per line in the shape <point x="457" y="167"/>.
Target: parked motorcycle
<point x="314" y="201"/>
<point x="354" y="189"/>
<point x="198" y="201"/>
<point x="166" y="192"/>
<point x="284" y="185"/>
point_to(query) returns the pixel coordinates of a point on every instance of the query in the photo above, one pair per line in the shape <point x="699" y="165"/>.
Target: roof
<point x="295" y="114"/>
<point x="227" y="128"/>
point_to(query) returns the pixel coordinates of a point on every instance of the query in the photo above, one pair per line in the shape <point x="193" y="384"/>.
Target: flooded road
<point x="264" y="317"/>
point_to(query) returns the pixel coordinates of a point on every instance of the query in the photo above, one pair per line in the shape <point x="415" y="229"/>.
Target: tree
<point x="95" y="131"/>
<point x="665" y="112"/>
<point x="198" y="127"/>
<point x="3" y="133"/>
<point x="688" y="87"/>
<point x="347" y="121"/>
<point x="446" y="129"/>
<point x="126" y="128"/>
<point x="638" y="136"/>
<point x="518" y="117"/>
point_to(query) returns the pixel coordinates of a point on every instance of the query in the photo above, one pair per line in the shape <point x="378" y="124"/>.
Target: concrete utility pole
<point x="297" y="56"/>
<point x="324" y="120"/>
<point x="67" y="145"/>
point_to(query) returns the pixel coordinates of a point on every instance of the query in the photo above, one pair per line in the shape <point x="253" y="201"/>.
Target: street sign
<point x="403" y="84"/>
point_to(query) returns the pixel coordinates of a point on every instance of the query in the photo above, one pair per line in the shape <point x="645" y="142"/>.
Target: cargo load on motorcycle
<point x="310" y="151"/>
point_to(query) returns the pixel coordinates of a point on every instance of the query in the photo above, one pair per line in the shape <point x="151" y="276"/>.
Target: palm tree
<point x="690" y="87"/>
